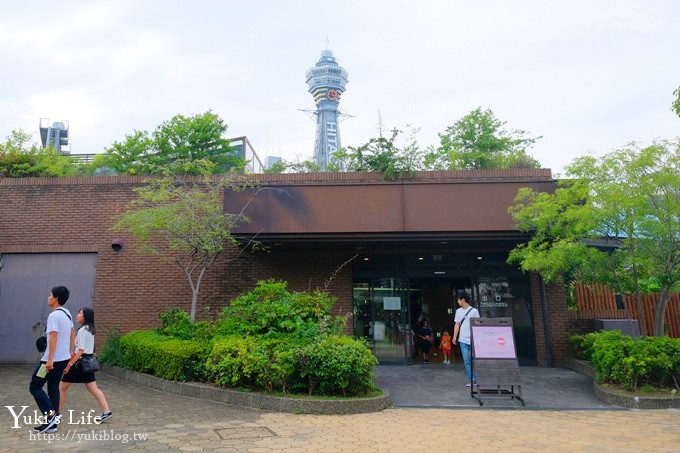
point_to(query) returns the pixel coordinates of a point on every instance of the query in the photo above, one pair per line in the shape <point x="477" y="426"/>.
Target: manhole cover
<point x="244" y="433"/>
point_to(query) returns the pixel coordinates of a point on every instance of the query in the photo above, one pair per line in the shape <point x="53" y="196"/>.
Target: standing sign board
<point x="494" y="359"/>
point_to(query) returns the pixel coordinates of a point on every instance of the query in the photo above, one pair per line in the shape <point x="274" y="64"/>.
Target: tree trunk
<point x="194" y="292"/>
<point x="194" y="301"/>
<point x="642" y="318"/>
<point x="660" y="313"/>
<point x="625" y="306"/>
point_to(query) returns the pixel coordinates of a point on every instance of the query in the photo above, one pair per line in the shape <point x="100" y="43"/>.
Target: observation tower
<point x="55" y="136"/>
<point x="326" y="81"/>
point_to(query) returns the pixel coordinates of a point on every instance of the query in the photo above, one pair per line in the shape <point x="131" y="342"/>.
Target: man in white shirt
<point x="60" y="341"/>
<point x="461" y="333"/>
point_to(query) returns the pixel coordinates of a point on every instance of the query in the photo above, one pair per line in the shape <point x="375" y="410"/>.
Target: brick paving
<point x="174" y="423"/>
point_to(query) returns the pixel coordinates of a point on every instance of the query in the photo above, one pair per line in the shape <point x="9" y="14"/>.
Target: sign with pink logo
<point x="493" y="342"/>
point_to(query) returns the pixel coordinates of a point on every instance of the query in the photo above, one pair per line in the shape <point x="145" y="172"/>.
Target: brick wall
<point x="72" y="215"/>
<point x="49" y="215"/>
<point x="558" y="322"/>
<point x="303" y="270"/>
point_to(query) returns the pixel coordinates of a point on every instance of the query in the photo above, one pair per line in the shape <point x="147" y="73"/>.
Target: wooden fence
<point x="599" y="302"/>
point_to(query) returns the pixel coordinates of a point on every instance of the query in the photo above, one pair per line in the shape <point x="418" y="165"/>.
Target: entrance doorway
<point x="389" y="311"/>
<point x="382" y="316"/>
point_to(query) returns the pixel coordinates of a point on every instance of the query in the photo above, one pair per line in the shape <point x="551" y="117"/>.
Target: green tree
<point x="382" y="154"/>
<point x="190" y="217"/>
<point x="630" y="197"/>
<point x="20" y="158"/>
<point x="675" y="107"/>
<point x="296" y="166"/>
<point x="185" y="142"/>
<point x="131" y="156"/>
<point x="479" y="141"/>
<point x="277" y="167"/>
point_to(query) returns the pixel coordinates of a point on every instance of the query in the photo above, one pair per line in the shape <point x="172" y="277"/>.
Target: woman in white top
<point x="73" y="373"/>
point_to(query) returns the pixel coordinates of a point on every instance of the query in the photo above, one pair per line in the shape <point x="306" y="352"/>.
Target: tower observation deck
<point x="326" y="81"/>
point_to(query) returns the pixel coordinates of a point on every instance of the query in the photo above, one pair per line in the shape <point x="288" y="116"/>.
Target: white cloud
<point x="585" y="75"/>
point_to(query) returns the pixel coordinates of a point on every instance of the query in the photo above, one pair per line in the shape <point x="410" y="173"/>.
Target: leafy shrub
<point x="654" y="360"/>
<point x="250" y="362"/>
<point x="337" y="365"/>
<point x="270" y="309"/>
<point x="621" y="360"/>
<point x="19" y="159"/>
<point x="229" y="362"/>
<point x="176" y="323"/>
<point x="166" y="358"/>
<point x="267" y="340"/>
<point x="610" y="348"/>
<point x="583" y="344"/>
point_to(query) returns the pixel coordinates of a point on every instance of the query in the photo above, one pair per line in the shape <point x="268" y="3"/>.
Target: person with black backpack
<point x="61" y="336"/>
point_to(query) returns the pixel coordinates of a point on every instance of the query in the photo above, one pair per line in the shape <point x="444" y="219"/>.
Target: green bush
<point x="267" y="340"/>
<point x="337" y="365"/>
<point x="166" y="358"/>
<point x="631" y="363"/>
<point x="583" y="344"/>
<point x="270" y="309"/>
<point x="229" y="363"/>
<point x="176" y="323"/>
<point x="19" y="158"/>
<point x="254" y="363"/>
<point x="610" y="348"/>
<point x="654" y="361"/>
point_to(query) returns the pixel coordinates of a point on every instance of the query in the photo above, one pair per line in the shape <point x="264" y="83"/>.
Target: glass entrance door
<point x="381" y="315"/>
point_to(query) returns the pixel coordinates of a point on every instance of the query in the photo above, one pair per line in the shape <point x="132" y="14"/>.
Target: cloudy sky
<point x="587" y="75"/>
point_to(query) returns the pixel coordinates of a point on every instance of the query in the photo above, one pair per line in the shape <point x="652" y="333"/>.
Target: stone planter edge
<point x="615" y="399"/>
<point x="253" y="400"/>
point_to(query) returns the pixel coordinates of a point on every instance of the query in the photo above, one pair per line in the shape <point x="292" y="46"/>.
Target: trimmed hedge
<point x="164" y="357"/>
<point x="336" y="365"/>
<point x="622" y="360"/>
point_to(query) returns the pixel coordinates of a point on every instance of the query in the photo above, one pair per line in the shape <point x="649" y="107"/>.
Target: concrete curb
<point x="616" y="399"/>
<point x="580" y="366"/>
<point x="634" y="402"/>
<point x="253" y="400"/>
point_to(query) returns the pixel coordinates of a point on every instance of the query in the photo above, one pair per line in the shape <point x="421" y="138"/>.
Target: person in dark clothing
<point x="425" y="340"/>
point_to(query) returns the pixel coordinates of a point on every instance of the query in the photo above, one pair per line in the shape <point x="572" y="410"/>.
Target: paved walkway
<point x="438" y="386"/>
<point x="149" y="420"/>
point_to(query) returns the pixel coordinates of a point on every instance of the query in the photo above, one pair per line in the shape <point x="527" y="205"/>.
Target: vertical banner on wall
<point x="494" y="359"/>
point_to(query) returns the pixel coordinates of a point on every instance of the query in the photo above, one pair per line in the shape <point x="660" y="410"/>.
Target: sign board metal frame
<point x="494" y="361"/>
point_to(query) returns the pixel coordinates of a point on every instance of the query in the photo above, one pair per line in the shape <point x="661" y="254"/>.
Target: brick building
<point x="409" y="245"/>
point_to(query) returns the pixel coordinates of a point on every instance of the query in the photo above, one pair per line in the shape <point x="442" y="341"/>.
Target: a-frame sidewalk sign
<point x="494" y="360"/>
